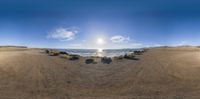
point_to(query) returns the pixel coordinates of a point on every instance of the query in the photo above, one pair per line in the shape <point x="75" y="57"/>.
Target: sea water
<point x="96" y="52"/>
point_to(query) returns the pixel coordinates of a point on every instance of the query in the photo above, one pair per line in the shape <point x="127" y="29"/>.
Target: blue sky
<point x="81" y="23"/>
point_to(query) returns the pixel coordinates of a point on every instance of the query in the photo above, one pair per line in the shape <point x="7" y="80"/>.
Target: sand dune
<point x="171" y="73"/>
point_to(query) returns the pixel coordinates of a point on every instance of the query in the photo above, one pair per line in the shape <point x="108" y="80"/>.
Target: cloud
<point x="157" y="45"/>
<point x="119" y="39"/>
<point x="64" y="34"/>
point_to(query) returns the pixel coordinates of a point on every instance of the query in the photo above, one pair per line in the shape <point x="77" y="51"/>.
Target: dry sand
<point x="161" y="73"/>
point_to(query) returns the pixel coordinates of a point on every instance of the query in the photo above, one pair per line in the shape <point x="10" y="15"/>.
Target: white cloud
<point x="157" y="45"/>
<point x="119" y="39"/>
<point x="64" y="34"/>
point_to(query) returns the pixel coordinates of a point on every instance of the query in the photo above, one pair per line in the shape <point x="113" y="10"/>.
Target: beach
<point x="159" y="73"/>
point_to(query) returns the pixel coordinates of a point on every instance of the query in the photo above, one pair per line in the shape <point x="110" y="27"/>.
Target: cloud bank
<point x="119" y="39"/>
<point x="64" y="34"/>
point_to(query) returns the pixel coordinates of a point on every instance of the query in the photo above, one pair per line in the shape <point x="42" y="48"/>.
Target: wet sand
<point x="160" y="73"/>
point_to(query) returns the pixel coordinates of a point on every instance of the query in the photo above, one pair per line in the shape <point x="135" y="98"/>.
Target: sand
<point x="160" y="73"/>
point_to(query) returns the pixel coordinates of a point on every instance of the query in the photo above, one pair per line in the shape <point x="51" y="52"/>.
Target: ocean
<point x="99" y="52"/>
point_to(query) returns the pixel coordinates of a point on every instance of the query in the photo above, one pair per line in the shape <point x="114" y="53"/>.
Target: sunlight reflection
<point x="100" y="52"/>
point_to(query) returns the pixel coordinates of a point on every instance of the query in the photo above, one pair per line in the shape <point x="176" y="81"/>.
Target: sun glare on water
<point x="100" y="50"/>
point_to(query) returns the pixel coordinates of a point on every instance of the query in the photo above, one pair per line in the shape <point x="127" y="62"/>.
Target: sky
<point x="99" y="23"/>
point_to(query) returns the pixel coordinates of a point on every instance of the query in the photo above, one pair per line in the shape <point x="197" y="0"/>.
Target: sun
<point x="100" y="41"/>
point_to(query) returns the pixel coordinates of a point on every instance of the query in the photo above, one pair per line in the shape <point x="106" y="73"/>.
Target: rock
<point x="74" y="57"/>
<point x="139" y="52"/>
<point x="89" y="61"/>
<point x="129" y="56"/>
<point x="106" y="60"/>
<point x="54" y="53"/>
<point x="119" y="57"/>
<point x="62" y="52"/>
<point x="47" y="51"/>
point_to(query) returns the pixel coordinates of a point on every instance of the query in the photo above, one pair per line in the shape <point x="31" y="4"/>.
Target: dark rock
<point x="129" y="56"/>
<point x="74" y="57"/>
<point x="118" y="57"/>
<point x="62" y="52"/>
<point x="106" y="60"/>
<point x="138" y="52"/>
<point x="47" y="51"/>
<point x="89" y="61"/>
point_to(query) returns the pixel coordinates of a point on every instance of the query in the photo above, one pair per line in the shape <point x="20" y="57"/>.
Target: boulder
<point x="62" y="52"/>
<point x="89" y="61"/>
<point x="47" y="51"/>
<point x="119" y="57"/>
<point x="74" y="57"/>
<point x="129" y="56"/>
<point x="106" y="60"/>
<point x="139" y="52"/>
